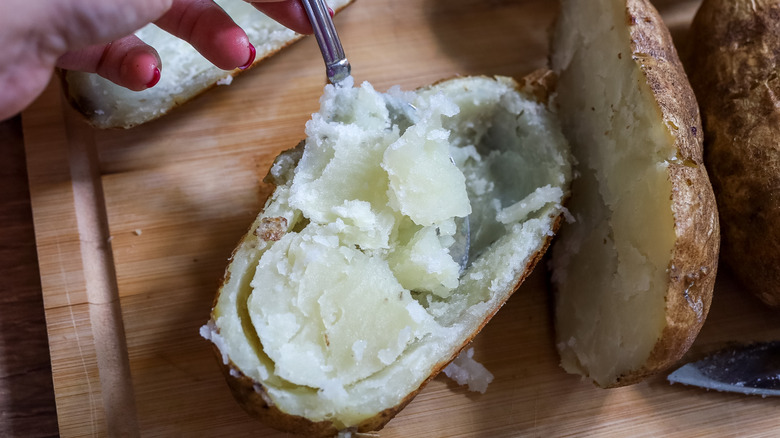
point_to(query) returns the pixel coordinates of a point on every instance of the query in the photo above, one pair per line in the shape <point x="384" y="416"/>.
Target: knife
<point x="748" y="369"/>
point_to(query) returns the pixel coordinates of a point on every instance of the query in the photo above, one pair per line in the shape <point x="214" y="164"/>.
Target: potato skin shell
<point x="733" y="63"/>
<point x="694" y="263"/>
<point x="251" y="396"/>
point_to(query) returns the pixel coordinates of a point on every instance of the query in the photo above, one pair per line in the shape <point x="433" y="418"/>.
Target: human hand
<point x="96" y="36"/>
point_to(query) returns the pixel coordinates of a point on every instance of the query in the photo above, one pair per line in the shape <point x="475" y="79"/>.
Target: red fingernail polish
<point x="330" y="11"/>
<point x="252" y="54"/>
<point x="155" y="78"/>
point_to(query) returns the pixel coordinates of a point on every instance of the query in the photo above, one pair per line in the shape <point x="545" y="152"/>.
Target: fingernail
<point x="330" y="11"/>
<point x="252" y="54"/>
<point x="155" y="78"/>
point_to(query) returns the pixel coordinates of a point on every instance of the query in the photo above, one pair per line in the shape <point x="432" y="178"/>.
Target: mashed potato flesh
<point x="332" y="303"/>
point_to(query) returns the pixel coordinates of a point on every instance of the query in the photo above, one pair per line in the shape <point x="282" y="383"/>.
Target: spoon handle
<point x="336" y="65"/>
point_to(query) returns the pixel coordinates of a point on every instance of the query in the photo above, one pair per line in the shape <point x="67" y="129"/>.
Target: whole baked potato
<point x="733" y="66"/>
<point x="634" y="273"/>
<point x="344" y="298"/>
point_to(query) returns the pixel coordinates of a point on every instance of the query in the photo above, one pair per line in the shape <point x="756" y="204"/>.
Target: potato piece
<point x="185" y="72"/>
<point x="339" y="319"/>
<point x="634" y="273"/>
<point x="735" y="49"/>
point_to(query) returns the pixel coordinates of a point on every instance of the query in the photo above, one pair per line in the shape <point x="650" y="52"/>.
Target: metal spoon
<point x="336" y="65"/>
<point x="337" y="68"/>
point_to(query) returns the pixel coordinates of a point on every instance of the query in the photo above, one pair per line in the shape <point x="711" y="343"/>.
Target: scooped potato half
<point x="344" y="299"/>
<point x="634" y="273"/>
<point x="735" y="50"/>
<point x="185" y="73"/>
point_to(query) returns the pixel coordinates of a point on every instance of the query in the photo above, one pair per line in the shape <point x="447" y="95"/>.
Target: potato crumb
<point x="227" y="80"/>
<point x="464" y="370"/>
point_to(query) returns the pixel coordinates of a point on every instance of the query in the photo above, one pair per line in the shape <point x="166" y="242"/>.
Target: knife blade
<point x="748" y="369"/>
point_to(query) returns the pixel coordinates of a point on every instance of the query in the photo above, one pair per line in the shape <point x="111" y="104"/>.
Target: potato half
<point x="185" y="72"/>
<point x="343" y="299"/>
<point x="634" y="273"/>
<point x="735" y="50"/>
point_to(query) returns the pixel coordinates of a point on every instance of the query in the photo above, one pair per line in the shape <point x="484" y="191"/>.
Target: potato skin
<point x="733" y="61"/>
<point x="251" y="395"/>
<point x="694" y="263"/>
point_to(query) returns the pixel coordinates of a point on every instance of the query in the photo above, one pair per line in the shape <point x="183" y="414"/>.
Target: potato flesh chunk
<point x="423" y="264"/>
<point x="424" y="184"/>
<point x="610" y="266"/>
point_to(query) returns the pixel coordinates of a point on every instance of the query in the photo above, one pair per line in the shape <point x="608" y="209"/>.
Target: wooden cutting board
<point x="134" y="229"/>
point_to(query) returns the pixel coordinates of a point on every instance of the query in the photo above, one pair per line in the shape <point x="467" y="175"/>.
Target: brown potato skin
<point x="733" y="64"/>
<point x="694" y="262"/>
<point x="250" y="395"/>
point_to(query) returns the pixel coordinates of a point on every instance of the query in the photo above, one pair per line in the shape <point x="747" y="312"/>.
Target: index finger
<point x="210" y="31"/>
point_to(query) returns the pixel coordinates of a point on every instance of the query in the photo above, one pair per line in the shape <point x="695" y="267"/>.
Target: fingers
<point x="210" y="30"/>
<point x="290" y="13"/>
<point x="133" y="64"/>
<point x="128" y="62"/>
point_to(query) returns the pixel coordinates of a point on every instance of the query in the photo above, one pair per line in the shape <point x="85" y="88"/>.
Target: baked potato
<point x="185" y="75"/>
<point x="634" y="273"/>
<point x="343" y="299"/>
<point x="734" y="52"/>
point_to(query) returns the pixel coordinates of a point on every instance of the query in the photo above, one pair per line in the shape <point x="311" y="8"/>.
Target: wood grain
<point x="26" y="391"/>
<point x="178" y="193"/>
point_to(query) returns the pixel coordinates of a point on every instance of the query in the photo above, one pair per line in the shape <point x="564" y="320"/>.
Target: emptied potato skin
<point x="733" y="64"/>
